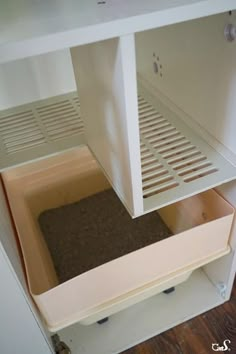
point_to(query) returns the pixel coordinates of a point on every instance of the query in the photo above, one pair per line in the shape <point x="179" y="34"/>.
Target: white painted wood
<point x="222" y="271"/>
<point x="37" y="78"/>
<point x="21" y="329"/>
<point x="145" y="320"/>
<point x="198" y="72"/>
<point x="33" y="28"/>
<point x="182" y="49"/>
<point x="47" y="127"/>
<point x="106" y="78"/>
<point x="7" y="238"/>
<point x="20" y="332"/>
<point x="228" y="192"/>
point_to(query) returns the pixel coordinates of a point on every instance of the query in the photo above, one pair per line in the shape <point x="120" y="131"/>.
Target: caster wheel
<point x="104" y="320"/>
<point x="169" y="291"/>
<point x="59" y="346"/>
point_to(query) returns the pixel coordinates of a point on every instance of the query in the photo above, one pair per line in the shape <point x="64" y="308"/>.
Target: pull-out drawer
<point x="200" y="224"/>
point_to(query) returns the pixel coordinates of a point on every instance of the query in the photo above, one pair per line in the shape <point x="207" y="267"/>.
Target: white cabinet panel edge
<point x="29" y="30"/>
<point x="106" y="78"/>
<point x="222" y="271"/>
<point x="19" y="329"/>
<point x="18" y="318"/>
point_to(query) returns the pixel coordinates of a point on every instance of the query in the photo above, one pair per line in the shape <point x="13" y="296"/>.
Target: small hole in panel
<point x="148" y="131"/>
<point x="172" y="185"/>
<point x="151" y="160"/>
<point x="156" y="173"/>
<point x="180" y="152"/>
<point x="156" y="141"/>
<point x="150" y="168"/>
<point x="172" y="148"/>
<point x="199" y="159"/>
<point x="190" y="179"/>
<point x="143" y="158"/>
<point x="155" y="67"/>
<point x="192" y="169"/>
<point x="153" y="184"/>
<point x="184" y="158"/>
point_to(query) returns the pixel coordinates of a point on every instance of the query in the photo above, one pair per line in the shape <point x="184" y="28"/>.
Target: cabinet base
<point x="146" y="319"/>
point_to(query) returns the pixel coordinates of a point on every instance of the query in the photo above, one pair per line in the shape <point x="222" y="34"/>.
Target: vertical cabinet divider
<point x="105" y="74"/>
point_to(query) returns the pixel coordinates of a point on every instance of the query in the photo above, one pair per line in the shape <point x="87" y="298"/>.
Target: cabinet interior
<point x="153" y="108"/>
<point x="157" y="111"/>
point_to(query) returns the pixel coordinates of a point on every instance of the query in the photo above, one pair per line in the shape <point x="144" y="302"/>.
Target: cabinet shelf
<point x="39" y="129"/>
<point x="29" y="29"/>
<point x="176" y="161"/>
<point x="150" y="318"/>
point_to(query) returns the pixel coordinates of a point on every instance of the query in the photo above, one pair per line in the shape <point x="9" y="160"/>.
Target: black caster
<point x="169" y="291"/>
<point x="104" y="320"/>
<point x="59" y="346"/>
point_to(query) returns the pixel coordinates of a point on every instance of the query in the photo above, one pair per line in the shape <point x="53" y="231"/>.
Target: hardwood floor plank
<point x="197" y="335"/>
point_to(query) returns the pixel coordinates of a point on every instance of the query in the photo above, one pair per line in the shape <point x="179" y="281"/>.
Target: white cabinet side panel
<point x="7" y="239"/>
<point x="36" y="78"/>
<point x="222" y="271"/>
<point x="14" y="288"/>
<point x="106" y="80"/>
<point x="33" y="27"/>
<point x="196" y="71"/>
<point x="19" y="332"/>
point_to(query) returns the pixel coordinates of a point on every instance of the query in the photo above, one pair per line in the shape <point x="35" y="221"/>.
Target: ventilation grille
<point x="20" y="131"/>
<point x="174" y="159"/>
<point x="61" y="119"/>
<point x="42" y="123"/>
<point x="168" y="157"/>
<point x="176" y="162"/>
<point x="45" y="126"/>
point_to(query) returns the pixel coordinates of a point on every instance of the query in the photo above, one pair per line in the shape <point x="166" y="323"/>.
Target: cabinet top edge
<point x="28" y="29"/>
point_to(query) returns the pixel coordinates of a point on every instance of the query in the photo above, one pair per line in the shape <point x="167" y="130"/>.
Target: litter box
<point x="200" y="224"/>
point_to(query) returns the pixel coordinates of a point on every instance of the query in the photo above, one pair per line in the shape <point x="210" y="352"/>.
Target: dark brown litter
<point x="96" y="230"/>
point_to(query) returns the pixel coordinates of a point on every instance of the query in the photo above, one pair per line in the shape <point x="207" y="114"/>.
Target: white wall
<point x="31" y="79"/>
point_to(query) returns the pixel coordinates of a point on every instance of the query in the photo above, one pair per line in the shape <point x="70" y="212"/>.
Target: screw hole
<point x="155" y="67"/>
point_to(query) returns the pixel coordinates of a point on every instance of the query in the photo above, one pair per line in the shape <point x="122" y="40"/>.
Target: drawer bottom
<point x="151" y="317"/>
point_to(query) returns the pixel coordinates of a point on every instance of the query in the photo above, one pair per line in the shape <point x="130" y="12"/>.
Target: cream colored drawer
<point x="201" y="227"/>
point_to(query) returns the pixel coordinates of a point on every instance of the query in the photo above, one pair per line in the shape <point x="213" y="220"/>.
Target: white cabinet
<point x="21" y="328"/>
<point x="155" y="106"/>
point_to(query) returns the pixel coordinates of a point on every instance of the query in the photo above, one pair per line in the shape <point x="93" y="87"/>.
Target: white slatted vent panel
<point x="41" y="127"/>
<point x="167" y="155"/>
<point x="175" y="161"/>
<point x="20" y="131"/>
<point x="62" y="118"/>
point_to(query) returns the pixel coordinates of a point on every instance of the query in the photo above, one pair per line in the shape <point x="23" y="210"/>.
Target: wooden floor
<point x="196" y="336"/>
